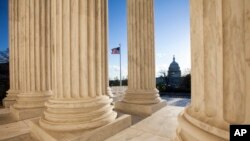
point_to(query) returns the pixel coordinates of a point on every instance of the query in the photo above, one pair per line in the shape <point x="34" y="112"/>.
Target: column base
<point x="10" y="99"/>
<point x="29" y="105"/>
<point x="77" y="114"/>
<point x="22" y="114"/>
<point x="109" y="92"/>
<point x="139" y="109"/>
<point x="188" y="130"/>
<point x="8" y="102"/>
<point x="97" y="134"/>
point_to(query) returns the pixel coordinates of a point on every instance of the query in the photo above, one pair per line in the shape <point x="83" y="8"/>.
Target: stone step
<point x="12" y="130"/>
<point x="24" y="137"/>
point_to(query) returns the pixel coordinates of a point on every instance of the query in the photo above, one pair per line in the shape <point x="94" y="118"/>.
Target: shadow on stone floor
<point x="6" y="117"/>
<point x="135" y="119"/>
<point x="25" y="137"/>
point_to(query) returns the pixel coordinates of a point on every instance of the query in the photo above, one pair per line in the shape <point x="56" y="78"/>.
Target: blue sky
<point x="3" y="24"/>
<point x="172" y="33"/>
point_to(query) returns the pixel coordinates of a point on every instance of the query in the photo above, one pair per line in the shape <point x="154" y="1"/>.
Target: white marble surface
<point x="160" y="126"/>
<point x="14" y="129"/>
<point x="181" y="102"/>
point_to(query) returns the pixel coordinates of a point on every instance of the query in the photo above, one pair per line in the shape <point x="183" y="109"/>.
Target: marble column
<point x="247" y="35"/>
<point x="141" y="97"/>
<point x="80" y="98"/>
<point x="105" y="65"/>
<point x="220" y="74"/>
<point x="33" y="45"/>
<point x="13" y="56"/>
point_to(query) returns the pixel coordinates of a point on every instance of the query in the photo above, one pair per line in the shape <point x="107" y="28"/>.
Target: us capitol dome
<point x="174" y="74"/>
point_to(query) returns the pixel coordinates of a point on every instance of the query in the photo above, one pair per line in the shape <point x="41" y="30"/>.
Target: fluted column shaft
<point x="219" y="44"/>
<point x="34" y="54"/>
<point x="247" y="36"/>
<point x="105" y="64"/>
<point x="79" y="42"/>
<point x="13" y="56"/>
<point x="141" y="53"/>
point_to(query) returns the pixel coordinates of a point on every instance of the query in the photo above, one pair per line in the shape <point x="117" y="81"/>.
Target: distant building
<point x="174" y="74"/>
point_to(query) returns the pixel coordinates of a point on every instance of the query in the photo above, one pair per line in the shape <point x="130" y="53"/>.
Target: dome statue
<point x="174" y="74"/>
<point x="174" y="69"/>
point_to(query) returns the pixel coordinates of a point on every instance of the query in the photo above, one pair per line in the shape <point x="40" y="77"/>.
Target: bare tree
<point x="164" y="75"/>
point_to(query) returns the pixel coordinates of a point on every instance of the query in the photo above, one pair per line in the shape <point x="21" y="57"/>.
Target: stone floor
<point x="180" y="102"/>
<point x="5" y="116"/>
<point x="12" y="130"/>
<point x="24" y="137"/>
<point x="160" y="126"/>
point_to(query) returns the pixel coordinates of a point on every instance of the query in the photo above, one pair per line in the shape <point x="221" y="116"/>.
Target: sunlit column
<point x="13" y="56"/>
<point x="80" y="98"/>
<point x="220" y="76"/>
<point x="105" y="50"/>
<point x="34" y="57"/>
<point x="141" y="59"/>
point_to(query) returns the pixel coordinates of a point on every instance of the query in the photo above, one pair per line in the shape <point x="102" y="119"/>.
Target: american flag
<point x="115" y="50"/>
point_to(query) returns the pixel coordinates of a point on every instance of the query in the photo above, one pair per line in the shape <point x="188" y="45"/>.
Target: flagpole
<point x="120" y="64"/>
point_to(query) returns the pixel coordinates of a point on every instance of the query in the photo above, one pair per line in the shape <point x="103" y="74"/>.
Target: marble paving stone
<point x="162" y="123"/>
<point x="157" y="127"/>
<point x="182" y="102"/>
<point x="136" y="135"/>
<point x="4" y="111"/>
<point x="13" y="130"/>
<point x="135" y="119"/>
<point x="7" y="118"/>
<point x="168" y="111"/>
<point x="25" y="137"/>
<point x="98" y="134"/>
